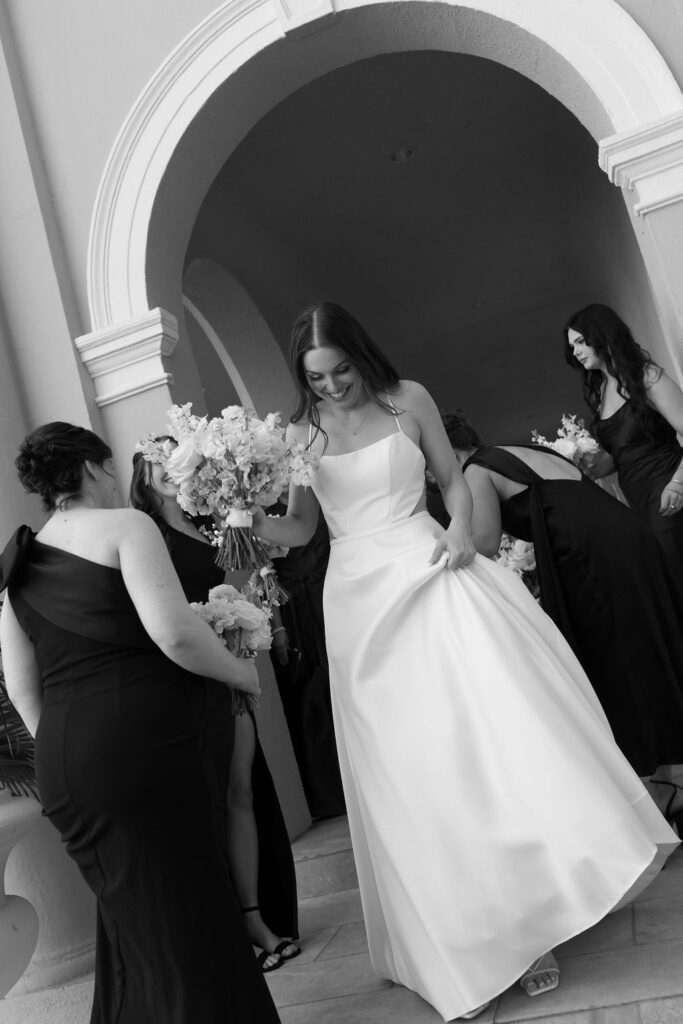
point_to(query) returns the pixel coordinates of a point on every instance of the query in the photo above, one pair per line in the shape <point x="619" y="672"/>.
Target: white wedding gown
<point x="491" y="814"/>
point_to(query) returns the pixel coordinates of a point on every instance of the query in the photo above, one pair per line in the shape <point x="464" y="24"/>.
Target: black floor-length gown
<point x="304" y="682"/>
<point x="121" y="774"/>
<point x="197" y="571"/>
<point x="604" y="581"/>
<point x="645" y="465"/>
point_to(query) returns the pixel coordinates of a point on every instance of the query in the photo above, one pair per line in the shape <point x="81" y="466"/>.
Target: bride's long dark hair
<point x="327" y="324"/>
<point x="625" y="360"/>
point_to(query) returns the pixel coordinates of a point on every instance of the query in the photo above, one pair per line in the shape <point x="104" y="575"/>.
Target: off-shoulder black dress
<point x="121" y="774"/>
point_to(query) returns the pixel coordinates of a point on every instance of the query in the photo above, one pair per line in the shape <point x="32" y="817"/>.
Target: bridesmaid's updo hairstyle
<point x="630" y="365"/>
<point x="50" y="461"/>
<point x="461" y="433"/>
<point x="328" y="325"/>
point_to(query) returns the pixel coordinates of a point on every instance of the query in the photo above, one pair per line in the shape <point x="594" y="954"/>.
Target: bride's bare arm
<point x="298" y="526"/>
<point x="159" y="600"/>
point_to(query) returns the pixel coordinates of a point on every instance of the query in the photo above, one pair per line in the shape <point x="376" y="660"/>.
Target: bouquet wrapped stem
<point x="239" y="548"/>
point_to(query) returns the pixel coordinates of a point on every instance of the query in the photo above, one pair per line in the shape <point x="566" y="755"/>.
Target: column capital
<point x="650" y="159"/>
<point x="127" y="358"/>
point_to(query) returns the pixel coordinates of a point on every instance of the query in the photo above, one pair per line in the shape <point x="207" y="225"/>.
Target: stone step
<point x="324" y="859"/>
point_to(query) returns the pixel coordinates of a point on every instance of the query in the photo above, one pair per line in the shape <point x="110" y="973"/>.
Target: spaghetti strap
<point x="396" y="415"/>
<point x="310" y="433"/>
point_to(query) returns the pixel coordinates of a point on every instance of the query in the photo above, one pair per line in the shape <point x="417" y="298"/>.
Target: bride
<point x="491" y="814"/>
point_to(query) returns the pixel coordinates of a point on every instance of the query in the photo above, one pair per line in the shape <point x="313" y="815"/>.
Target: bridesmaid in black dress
<point x="299" y="658"/>
<point x="100" y="652"/>
<point x="254" y="831"/>
<point x="602" y="579"/>
<point x="637" y="410"/>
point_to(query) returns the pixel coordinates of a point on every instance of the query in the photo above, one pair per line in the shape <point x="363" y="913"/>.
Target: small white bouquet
<point x="242" y="623"/>
<point x="519" y="557"/>
<point x="573" y="440"/>
<point x="225" y="465"/>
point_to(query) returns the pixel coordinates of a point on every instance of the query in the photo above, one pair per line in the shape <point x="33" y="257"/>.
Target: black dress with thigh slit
<point x="121" y="773"/>
<point x="197" y="571"/>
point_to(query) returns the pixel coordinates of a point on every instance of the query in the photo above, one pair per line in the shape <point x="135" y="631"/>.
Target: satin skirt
<point x="491" y="814"/>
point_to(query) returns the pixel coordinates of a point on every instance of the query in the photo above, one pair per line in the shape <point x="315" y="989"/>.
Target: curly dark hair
<point x="461" y="433"/>
<point x="626" y="361"/>
<point x="327" y="324"/>
<point x="50" y="460"/>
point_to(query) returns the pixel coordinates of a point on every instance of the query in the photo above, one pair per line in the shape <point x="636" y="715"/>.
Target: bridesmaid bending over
<point x="258" y="847"/>
<point x="602" y="577"/>
<point x="491" y="813"/>
<point x="637" y="410"/>
<point x="101" y="655"/>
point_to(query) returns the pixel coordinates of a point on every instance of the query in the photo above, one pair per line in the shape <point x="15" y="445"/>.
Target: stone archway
<point x="606" y="52"/>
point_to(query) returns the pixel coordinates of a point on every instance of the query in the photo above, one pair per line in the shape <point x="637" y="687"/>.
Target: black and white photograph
<point x="341" y="511"/>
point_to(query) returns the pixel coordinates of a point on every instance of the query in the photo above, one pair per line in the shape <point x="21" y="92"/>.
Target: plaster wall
<point x="83" y="63"/>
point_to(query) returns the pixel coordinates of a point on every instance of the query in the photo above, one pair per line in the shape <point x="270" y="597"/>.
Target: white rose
<point x="260" y="639"/>
<point x="247" y="615"/>
<point x="182" y="462"/>
<point x="224" y="592"/>
<point x="565" y="447"/>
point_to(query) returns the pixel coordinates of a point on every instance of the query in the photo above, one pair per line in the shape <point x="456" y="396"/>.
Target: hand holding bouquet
<point x="225" y="466"/>
<point x="243" y="625"/>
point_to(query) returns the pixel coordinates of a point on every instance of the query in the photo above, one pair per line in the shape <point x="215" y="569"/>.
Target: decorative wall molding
<point x="126" y="359"/>
<point x="618" y="61"/>
<point x="649" y="159"/>
<point x="294" y="14"/>
<point x="155" y="124"/>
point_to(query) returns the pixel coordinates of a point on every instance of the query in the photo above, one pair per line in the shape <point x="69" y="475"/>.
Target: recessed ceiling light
<point x="402" y="155"/>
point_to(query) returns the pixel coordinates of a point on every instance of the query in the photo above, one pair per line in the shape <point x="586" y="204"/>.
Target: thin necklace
<point x="354" y="431"/>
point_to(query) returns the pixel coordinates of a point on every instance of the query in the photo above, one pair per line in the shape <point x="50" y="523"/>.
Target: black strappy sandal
<point x="279" y="951"/>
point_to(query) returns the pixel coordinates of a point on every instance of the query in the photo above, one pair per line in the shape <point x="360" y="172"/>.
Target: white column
<point x="132" y="382"/>
<point x="647" y="163"/>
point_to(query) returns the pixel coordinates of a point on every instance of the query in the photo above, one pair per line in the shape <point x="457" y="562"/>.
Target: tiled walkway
<point x="626" y="970"/>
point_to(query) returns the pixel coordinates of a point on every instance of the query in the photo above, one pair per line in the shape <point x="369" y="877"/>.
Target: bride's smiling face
<point x="332" y="376"/>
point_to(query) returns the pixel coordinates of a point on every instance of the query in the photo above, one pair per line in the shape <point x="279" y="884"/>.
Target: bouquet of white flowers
<point x="573" y="440"/>
<point x="519" y="557"/>
<point x="242" y="623"/>
<point x="225" y="465"/>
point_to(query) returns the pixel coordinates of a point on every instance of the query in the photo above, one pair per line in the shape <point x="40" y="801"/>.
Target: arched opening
<point x="454" y="206"/>
<point x="217" y="88"/>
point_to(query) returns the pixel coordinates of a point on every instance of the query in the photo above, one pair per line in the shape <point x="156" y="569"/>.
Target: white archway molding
<point x="597" y="38"/>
